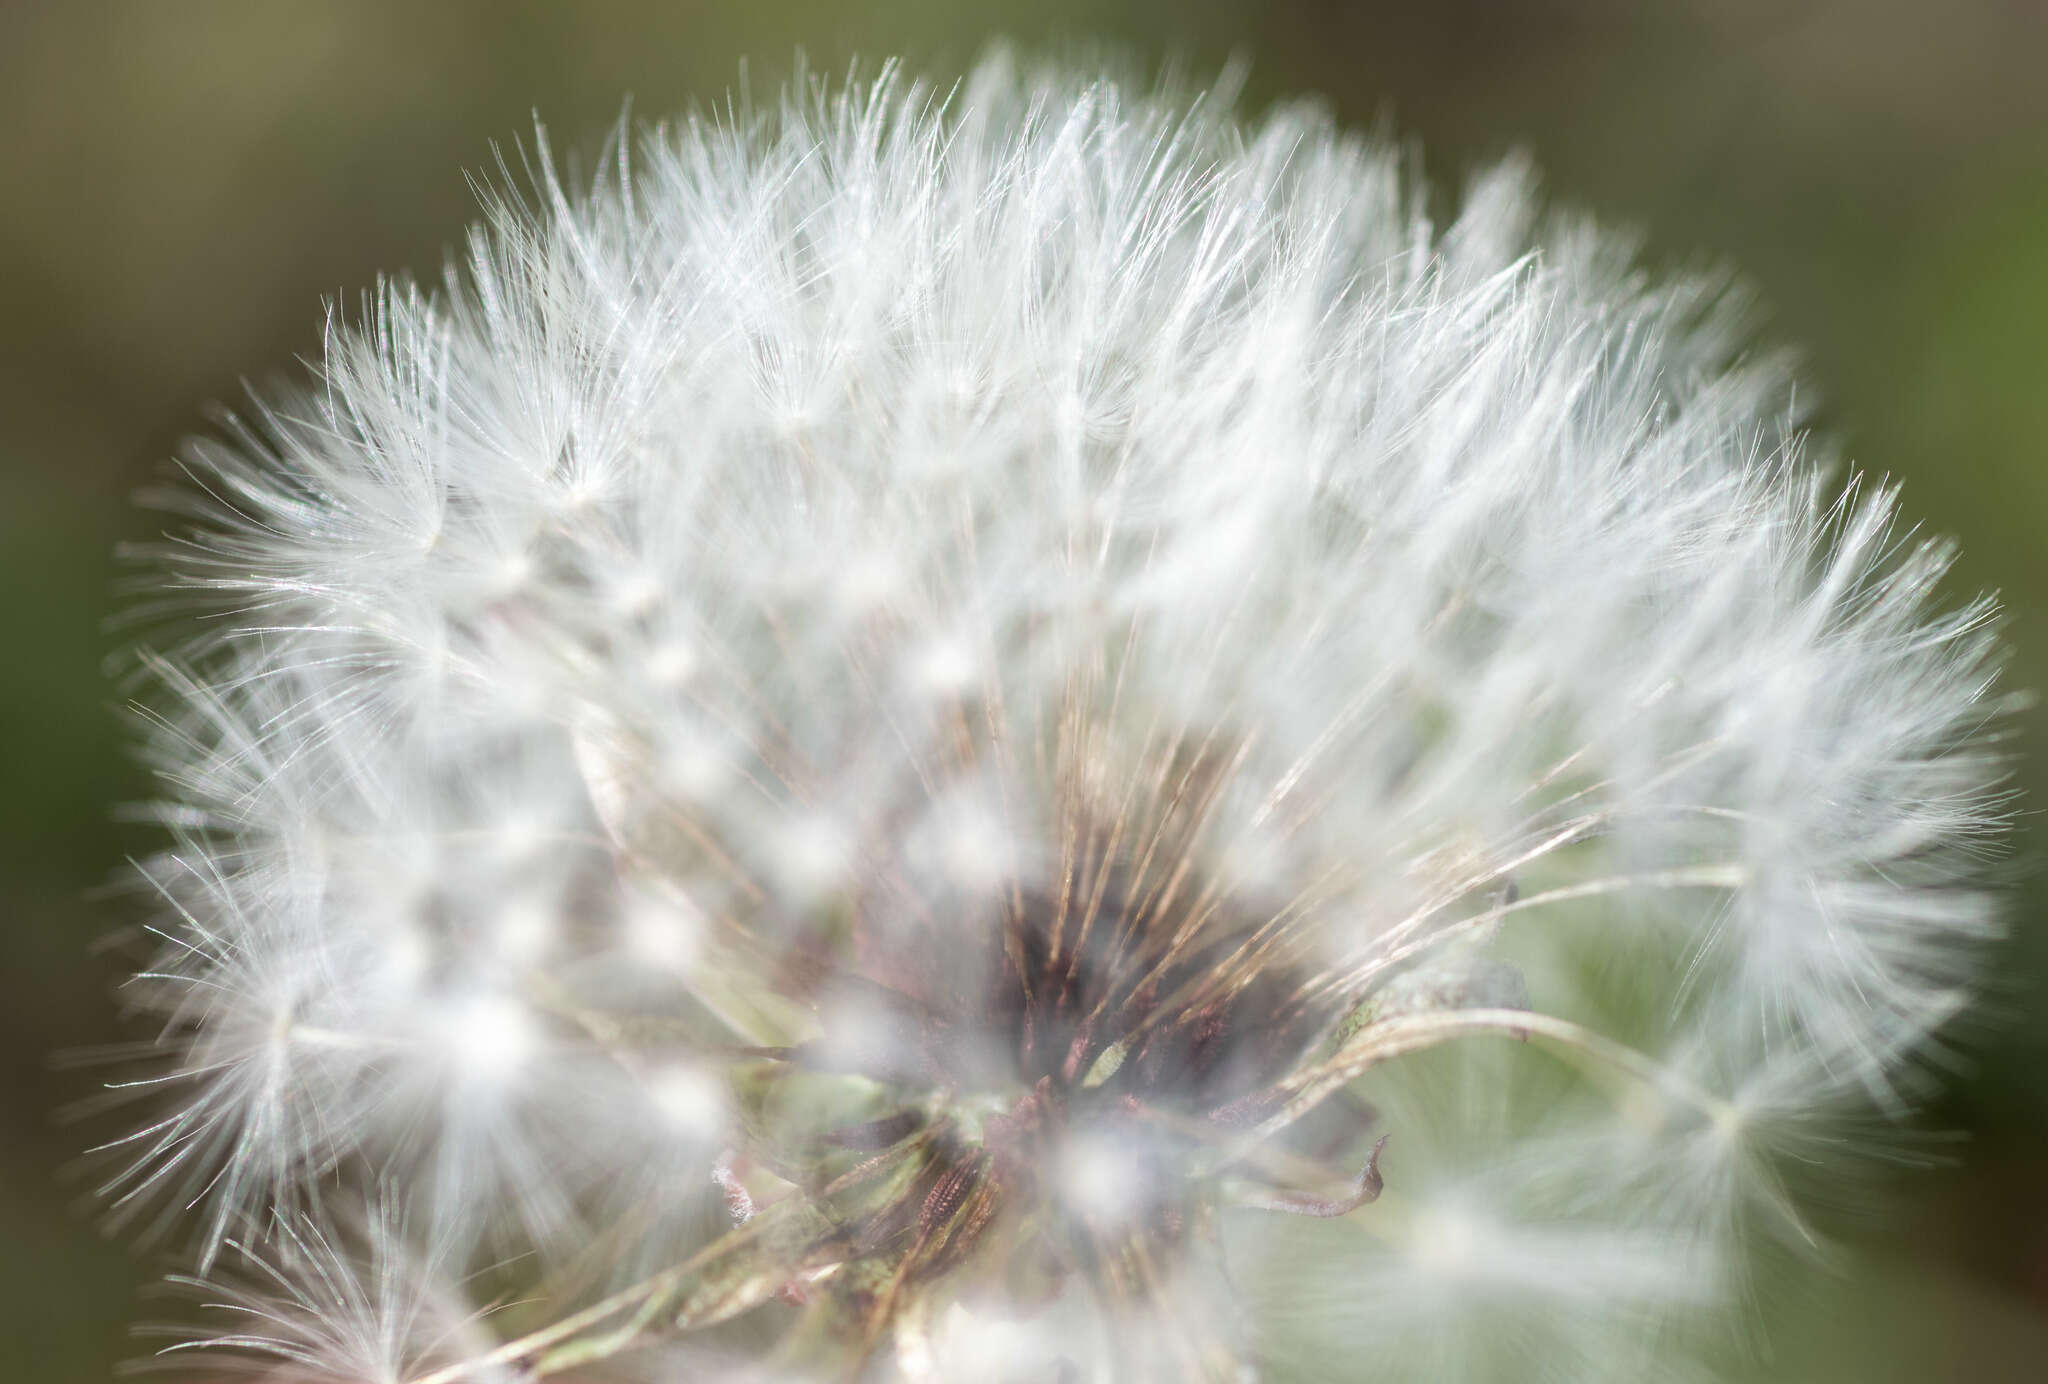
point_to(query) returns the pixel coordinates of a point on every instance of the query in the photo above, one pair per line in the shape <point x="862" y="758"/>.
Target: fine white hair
<point x="844" y="520"/>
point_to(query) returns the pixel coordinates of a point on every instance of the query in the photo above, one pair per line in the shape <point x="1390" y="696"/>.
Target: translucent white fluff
<point x="899" y="646"/>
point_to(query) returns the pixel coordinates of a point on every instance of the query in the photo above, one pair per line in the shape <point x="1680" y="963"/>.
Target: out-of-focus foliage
<point x="183" y="183"/>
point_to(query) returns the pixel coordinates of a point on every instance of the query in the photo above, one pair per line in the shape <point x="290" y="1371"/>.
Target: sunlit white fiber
<point x="315" y="1306"/>
<point x="1028" y="673"/>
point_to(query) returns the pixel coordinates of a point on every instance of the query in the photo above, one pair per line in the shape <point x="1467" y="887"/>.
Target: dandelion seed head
<point x="937" y="706"/>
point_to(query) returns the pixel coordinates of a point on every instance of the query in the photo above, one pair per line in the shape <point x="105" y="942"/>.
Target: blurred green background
<point x="183" y="184"/>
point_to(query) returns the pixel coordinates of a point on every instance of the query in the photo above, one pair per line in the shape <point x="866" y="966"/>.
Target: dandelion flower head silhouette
<point x="1032" y="731"/>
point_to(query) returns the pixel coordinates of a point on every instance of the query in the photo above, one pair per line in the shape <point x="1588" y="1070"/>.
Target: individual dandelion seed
<point x="886" y="734"/>
<point x="314" y="1305"/>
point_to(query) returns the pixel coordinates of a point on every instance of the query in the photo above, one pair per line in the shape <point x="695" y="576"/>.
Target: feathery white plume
<point x="879" y="733"/>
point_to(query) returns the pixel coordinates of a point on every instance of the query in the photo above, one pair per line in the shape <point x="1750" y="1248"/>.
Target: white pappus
<point x="883" y="734"/>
